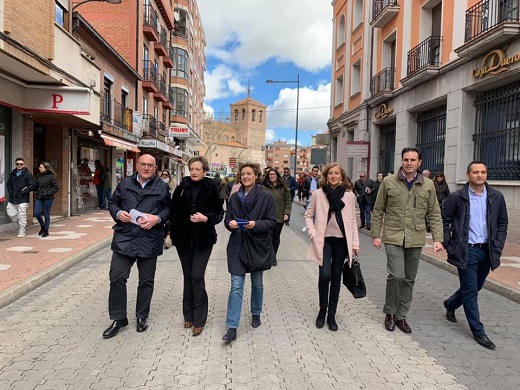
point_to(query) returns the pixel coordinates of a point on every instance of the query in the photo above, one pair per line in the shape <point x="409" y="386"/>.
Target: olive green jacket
<point x="400" y="214"/>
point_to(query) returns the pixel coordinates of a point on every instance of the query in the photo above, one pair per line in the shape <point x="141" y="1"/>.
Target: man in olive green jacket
<point x="403" y="202"/>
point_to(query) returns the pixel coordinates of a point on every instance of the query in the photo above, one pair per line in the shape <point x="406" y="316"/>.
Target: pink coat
<point x="316" y="221"/>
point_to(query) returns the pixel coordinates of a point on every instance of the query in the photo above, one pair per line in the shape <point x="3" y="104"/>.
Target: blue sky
<point x="255" y="40"/>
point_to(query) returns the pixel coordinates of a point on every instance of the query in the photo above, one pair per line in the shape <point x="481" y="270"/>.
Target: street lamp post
<point x="103" y="1"/>
<point x="297" y="81"/>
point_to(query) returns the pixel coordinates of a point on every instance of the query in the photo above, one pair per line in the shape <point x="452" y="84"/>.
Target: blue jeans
<point x="471" y="282"/>
<point x="365" y="213"/>
<point x="46" y="205"/>
<point x="105" y="197"/>
<point x="236" y="294"/>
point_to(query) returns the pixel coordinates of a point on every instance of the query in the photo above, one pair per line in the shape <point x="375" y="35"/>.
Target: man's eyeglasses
<point x="20" y="164"/>
<point x="144" y="165"/>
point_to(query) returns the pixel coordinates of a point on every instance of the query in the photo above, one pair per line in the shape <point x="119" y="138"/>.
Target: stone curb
<point x="24" y="287"/>
<point x="491" y="285"/>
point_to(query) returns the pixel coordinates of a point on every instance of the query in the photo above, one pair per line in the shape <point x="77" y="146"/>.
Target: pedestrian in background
<point x="136" y="241"/>
<point x="405" y="199"/>
<point x="257" y="207"/>
<point x="19" y="186"/>
<point x="105" y="178"/>
<point x="311" y="184"/>
<point x="195" y="210"/>
<point x="332" y="228"/>
<point x="441" y="187"/>
<point x="291" y="182"/>
<point x="301" y="180"/>
<point x="363" y="190"/>
<point x="169" y="180"/>
<point x="46" y="188"/>
<point x="97" y="182"/>
<point x="223" y="194"/>
<point x="375" y="190"/>
<point x="475" y="229"/>
<point x="426" y="173"/>
<point x="276" y="186"/>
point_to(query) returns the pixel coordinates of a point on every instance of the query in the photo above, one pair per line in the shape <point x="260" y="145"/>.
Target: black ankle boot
<point x="320" y="321"/>
<point x="331" y="321"/>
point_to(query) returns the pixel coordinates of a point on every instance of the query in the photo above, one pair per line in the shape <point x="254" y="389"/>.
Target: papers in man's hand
<point x="136" y="216"/>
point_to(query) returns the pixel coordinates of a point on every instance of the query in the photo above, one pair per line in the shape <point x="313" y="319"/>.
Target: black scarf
<point x="334" y="196"/>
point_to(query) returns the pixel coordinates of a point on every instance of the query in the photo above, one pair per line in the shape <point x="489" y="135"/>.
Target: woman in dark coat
<point x="46" y="187"/>
<point x="277" y="187"/>
<point x="257" y="207"/>
<point x="195" y="210"/>
<point x="441" y="187"/>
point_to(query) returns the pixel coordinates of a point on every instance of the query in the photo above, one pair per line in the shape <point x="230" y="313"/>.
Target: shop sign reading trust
<point x="495" y="62"/>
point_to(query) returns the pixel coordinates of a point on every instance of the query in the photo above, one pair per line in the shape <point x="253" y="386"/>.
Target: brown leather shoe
<point x="403" y="325"/>
<point x="197" y="331"/>
<point x="390" y="322"/>
<point x="188" y="324"/>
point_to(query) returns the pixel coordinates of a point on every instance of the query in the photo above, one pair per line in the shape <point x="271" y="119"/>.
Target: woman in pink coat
<point x="332" y="228"/>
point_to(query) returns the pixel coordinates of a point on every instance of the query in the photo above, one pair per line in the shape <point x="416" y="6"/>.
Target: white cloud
<point x="270" y="136"/>
<point x="222" y="82"/>
<point x="313" y="113"/>
<point x="248" y="33"/>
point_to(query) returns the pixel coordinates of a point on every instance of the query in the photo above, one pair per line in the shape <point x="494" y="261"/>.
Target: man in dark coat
<point x="311" y="184"/>
<point x="140" y="206"/>
<point x="291" y="182"/>
<point x="363" y="189"/>
<point x="19" y="186"/>
<point x="475" y="229"/>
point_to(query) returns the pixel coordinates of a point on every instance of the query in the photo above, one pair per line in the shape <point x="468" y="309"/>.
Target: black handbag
<point x="257" y="251"/>
<point x="353" y="279"/>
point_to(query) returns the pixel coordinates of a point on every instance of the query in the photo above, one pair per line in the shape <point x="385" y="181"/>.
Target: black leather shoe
<point x="320" y="320"/>
<point x="141" y="325"/>
<point x="112" y="330"/>
<point x="41" y="231"/>
<point x="390" y="322"/>
<point x="331" y="322"/>
<point x="450" y="314"/>
<point x="485" y="342"/>
<point x="45" y="233"/>
<point x="403" y="325"/>
<point x="230" y="335"/>
<point x="255" y="321"/>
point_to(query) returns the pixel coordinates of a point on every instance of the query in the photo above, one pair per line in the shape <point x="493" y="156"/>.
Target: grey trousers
<point x="402" y="266"/>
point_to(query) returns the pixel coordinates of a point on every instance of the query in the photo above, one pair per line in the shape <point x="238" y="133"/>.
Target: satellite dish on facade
<point x="176" y="16"/>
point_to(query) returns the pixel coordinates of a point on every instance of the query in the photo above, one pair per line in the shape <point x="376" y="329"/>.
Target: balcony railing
<point x="150" y="72"/>
<point x="426" y="53"/>
<point x="163" y="86"/>
<point x="383" y="81"/>
<point x="380" y="5"/>
<point x="487" y="14"/>
<point x="151" y="125"/>
<point x="151" y="19"/>
<point x="114" y="113"/>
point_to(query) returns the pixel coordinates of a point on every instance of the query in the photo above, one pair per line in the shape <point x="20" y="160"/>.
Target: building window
<point x="355" y="80"/>
<point x="431" y="133"/>
<point x="260" y="116"/>
<point x="339" y="91"/>
<point x="180" y="68"/>
<point x="497" y="133"/>
<point x="124" y="98"/>
<point x="386" y="148"/>
<point x="253" y="115"/>
<point x="243" y="114"/>
<point x="340" y="33"/>
<point x="181" y="102"/>
<point x="358" y="13"/>
<point x="60" y="12"/>
<point x="107" y="100"/>
<point x="236" y="115"/>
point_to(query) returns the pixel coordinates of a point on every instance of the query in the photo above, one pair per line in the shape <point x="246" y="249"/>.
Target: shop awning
<point x="120" y="143"/>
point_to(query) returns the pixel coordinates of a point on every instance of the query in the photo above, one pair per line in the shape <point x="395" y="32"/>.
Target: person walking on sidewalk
<point x="257" y="207"/>
<point x="143" y="194"/>
<point x="276" y="186"/>
<point x="195" y="211"/>
<point x="19" y="186"/>
<point x="363" y="190"/>
<point x="332" y="227"/>
<point x="475" y="228"/>
<point x="310" y="185"/>
<point x="46" y="188"/>
<point x="403" y="202"/>
<point x="291" y="182"/>
<point x="105" y="179"/>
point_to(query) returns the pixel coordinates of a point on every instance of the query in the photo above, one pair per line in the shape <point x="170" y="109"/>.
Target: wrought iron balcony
<point x="383" y="81"/>
<point x="384" y="11"/>
<point x="114" y="113"/>
<point x="151" y="23"/>
<point x="150" y="77"/>
<point x="150" y="125"/>
<point x="426" y="53"/>
<point x="489" y="24"/>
